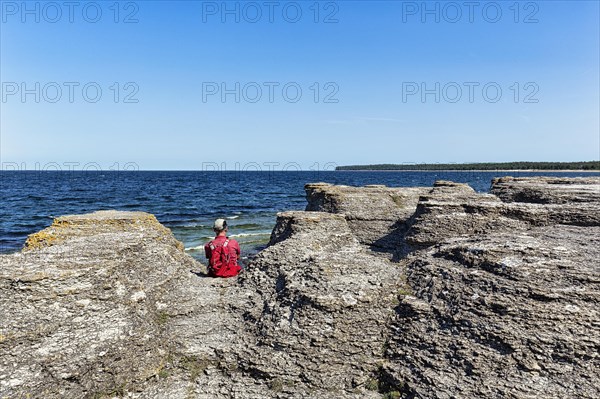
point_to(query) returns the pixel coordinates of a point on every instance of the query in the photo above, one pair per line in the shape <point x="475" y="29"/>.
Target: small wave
<point x="233" y="217"/>
<point x="255" y="243"/>
<point x="250" y="234"/>
<point x="248" y="226"/>
<point x="199" y="247"/>
<point x="193" y="226"/>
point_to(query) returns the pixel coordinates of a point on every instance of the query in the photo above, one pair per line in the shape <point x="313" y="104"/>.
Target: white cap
<point x="220" y="225"/>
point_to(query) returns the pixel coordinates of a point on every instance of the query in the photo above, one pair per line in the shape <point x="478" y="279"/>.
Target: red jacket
<point x="233" y="248"/>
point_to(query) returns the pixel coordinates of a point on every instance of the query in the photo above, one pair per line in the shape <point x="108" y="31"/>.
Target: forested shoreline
<point x="589" y="165"/>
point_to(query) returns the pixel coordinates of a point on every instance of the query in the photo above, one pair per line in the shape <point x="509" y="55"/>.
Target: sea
<point x="188" y="202"/>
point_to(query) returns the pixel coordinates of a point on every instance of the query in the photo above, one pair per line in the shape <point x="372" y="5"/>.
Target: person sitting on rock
<point x="222" y="252"/>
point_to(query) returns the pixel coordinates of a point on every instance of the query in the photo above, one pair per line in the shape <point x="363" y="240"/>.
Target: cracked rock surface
<point x="372" y="292"/>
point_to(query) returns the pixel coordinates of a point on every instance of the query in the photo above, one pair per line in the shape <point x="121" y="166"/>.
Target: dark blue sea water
<point x="188" y="202"/>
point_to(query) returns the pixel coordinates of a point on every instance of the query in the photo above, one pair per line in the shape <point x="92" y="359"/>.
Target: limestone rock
<point x="508" y="314"/>
<point x="492" y="295"/>
<point x="452" y="210"/>
<point x="106" y="304"/>
<point x="321" y="306"/>
<point x="547" y="190"/>
<point x="102" y="304"/>
<point x="377" y="215"/>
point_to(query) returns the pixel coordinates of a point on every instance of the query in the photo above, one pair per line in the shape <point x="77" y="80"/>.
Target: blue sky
<point x="502" y="83"/>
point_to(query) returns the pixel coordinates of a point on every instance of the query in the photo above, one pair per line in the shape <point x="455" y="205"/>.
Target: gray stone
<point x="321" y="306"/>
<point x="377" y="215"/>
<point x="489" y="295"/>
<point x="547" y="190"/>
<point x="510" y="314"/>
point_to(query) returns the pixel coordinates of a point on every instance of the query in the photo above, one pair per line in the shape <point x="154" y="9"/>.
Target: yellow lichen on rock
<point x="69" y="226"/>
<point x="41" y="239"/>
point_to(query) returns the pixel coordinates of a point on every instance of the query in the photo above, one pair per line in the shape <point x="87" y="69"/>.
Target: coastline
<point x="117" y="287"/>
<point x="475" y="170"/>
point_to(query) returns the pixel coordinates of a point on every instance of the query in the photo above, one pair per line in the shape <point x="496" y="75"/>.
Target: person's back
<point x="222" y="252"/>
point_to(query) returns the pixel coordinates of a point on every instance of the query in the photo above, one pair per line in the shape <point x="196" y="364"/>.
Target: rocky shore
<point x="372" y="292"/>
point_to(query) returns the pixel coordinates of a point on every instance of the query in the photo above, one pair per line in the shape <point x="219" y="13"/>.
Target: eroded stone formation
<point x="504" y="300"/>
<point x="372" y="292"/>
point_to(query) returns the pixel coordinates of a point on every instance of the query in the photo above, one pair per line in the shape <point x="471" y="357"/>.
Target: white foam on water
<point x="199" y="247"/>
<point x="249" y="234"/>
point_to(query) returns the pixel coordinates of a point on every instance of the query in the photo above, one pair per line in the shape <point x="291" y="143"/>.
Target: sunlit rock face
<point x="371" y="292"/>
<point x="504" y="294"/>
<point x="377" y="215"/>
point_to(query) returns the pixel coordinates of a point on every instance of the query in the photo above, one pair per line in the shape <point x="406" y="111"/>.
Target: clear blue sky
<point x="375" y="61"/>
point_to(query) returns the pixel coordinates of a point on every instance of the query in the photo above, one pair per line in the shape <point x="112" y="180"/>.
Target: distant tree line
<point x="589" y="165"/>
